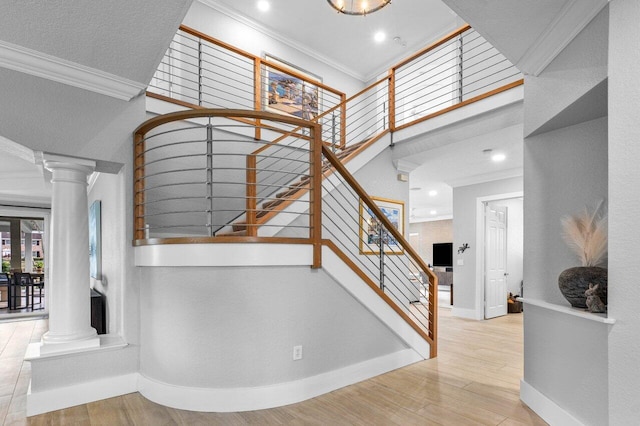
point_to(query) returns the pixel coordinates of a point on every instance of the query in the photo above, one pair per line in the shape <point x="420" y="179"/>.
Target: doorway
<point x="500" y="261"/>
<point x="23" y="235"/>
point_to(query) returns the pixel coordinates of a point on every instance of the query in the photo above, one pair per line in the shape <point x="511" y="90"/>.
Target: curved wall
<point x="234" y="328"/>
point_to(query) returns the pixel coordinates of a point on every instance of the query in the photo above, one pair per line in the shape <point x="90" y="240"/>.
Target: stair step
<point x="239" y="226"/>
<point x="269" y="205"/>
<point x="234" y="233"/>
<point x="288" y="193"/>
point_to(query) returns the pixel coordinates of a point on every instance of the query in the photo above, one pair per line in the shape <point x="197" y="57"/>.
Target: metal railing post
<point x="381" y="245"/>
<point x="210" y="178"/>
<point x="199" y="72"/>
<point x="333" y="131"/>
<point x="460" y="68"/>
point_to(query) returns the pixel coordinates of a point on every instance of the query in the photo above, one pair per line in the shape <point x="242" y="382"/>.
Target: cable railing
<point x="274" y="148"/>
<point x="456" y="70"/>
<point x="200" y="176"/>
<point x="197" y="176"/>
<point x="360" y="233"/>
<point x="199" y="71"/>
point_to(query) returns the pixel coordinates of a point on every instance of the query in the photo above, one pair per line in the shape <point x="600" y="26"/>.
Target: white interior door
<point x="495" y="287"/>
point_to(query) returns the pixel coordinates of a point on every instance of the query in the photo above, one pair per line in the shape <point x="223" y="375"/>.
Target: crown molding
<point x="573" y="18"/>
<point x="486" y="177"/>
<point x="32" y="62"/>
<point x="404" y="166"/>
<point x="282" y="39"/>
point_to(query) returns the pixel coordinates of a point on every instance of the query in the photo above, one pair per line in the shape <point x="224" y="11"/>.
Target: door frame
<point x="480" y="243"/>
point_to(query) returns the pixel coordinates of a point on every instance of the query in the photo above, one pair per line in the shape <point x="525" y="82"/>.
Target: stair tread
<point x="240" y="228"/>
<point x="234" y="233"/>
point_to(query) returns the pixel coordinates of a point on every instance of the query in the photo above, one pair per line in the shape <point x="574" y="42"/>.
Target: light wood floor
<point x="474" y="381"/>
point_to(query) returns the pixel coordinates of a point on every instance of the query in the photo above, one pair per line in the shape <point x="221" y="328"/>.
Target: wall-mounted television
<point x="443" y="254"/>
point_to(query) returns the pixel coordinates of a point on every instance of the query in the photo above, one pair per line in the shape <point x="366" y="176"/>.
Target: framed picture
<point x="95" y="241"/>
<point x="288" y="93"/>
<point x="370" y="234"/>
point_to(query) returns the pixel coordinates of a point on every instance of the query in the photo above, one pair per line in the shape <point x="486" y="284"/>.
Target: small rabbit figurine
<point x="594" y="304"/>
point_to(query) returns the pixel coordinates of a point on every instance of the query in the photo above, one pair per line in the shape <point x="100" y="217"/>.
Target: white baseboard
<point x="82" y="393"/>
<point x="465" y="313"/>
<point x="263" y="397"/>
<point x="550" y="412"/>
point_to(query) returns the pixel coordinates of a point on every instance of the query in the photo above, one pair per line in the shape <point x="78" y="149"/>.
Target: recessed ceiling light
<point x="379" y="37"/>
<point x="433" y="212"/>
<point x="497" y="157"/>
<point x="263" y="5"/>
<point x="433" y="193"/>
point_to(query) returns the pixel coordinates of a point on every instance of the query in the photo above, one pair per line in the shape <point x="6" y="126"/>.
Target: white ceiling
<point x="348" y="40"/>
<point x="459" y="164"/>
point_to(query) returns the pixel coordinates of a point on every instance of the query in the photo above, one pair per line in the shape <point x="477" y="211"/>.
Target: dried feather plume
<point x="586" y="235"/>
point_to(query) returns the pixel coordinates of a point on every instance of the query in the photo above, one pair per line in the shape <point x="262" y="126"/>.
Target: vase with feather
<point x="586" y="235"/>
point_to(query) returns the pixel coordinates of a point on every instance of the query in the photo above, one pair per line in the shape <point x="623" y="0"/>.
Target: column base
<point x="54" y="344"/>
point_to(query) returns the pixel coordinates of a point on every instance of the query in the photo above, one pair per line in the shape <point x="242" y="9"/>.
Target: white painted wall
<point x="624" y="211"/>
<point x="515" y="236"/>
<point x="467" y="284"/>
<point x="568" y="358"/>
<point x="575" y="71"/>
<point x="236" y="326"/>
<point x="229" y="30"/>
<point x="566" y="169"/>
<point x="109" y="189"/>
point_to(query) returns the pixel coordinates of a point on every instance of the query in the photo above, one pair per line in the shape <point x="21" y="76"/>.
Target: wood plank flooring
<point x="474" y="381"/>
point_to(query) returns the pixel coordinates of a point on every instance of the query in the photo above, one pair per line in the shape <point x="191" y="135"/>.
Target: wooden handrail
<point x="433" y="279"/>
<point x="253" y="57"/>
<point x="461" y="104"/>
<point x="430" y="47"/>
<point x="154" y="122"/>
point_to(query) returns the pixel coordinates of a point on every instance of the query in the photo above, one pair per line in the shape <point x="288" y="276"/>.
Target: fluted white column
<point x="69" y="293"/>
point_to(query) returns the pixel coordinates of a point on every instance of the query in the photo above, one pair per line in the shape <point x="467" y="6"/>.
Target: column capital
<point x="53" y="162"/>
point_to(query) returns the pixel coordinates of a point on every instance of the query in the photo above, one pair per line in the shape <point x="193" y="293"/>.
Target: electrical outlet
<point x="297" y="353"/>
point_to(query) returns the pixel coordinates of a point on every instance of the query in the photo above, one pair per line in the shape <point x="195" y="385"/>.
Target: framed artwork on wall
<point x="370" y="227"/>
<point x="95" y="240"/>
<point x="290" y="93"/>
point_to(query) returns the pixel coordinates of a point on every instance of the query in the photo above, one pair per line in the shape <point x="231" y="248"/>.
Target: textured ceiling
<point x="122" y="37"/>
<point x="348" y="40"/>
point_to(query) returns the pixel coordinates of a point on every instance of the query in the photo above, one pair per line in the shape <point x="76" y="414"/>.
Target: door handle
<point x="506" y="273"/>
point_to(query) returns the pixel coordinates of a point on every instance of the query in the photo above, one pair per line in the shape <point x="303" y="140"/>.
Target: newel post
<point x="316" y="195"/>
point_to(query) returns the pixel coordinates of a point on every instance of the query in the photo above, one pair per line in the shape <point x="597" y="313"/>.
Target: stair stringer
<point x="290" y="213"/>
<point x="354" y="285"/>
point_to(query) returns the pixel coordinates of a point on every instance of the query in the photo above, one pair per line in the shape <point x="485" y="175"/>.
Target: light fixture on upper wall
<point x="358" y="7"/>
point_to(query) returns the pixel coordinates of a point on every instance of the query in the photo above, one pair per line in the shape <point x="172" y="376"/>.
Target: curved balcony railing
<point x="201" y="176"/>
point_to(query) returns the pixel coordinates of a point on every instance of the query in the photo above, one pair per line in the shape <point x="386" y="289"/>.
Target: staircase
<point x="293" y="191"/>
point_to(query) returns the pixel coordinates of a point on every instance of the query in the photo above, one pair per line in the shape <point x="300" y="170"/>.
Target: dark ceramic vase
<point x="574" y="281"/>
